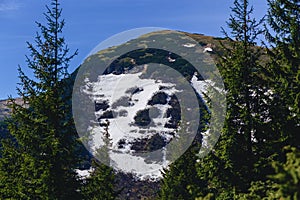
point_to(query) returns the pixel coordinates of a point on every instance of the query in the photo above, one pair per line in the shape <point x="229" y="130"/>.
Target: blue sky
<point x="90" y="22"/>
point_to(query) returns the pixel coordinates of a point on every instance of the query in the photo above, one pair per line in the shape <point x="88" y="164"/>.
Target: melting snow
<point x="171" y="60"/>
<point x="189" y="45"/>
<point x="207" y="49"/>
<point x="112" y="89"/>
<point x="83" y="174"/>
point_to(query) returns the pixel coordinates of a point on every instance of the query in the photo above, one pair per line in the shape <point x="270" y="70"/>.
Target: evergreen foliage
<point x="100" y="184"/>
<point x="40" y="163"/>
<point x="287" y="177"/>
<point x="232" y="165"/>
<point x="180" y="177"/>
<point x="256" y="157"/>
<point x="284" y="38"/>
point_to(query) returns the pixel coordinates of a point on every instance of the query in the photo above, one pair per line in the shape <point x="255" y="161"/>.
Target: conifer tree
<point x="284" y="53"/>
<point x="282" y="178"/>
<point x="40" y="162"/>
<point x="284" y="38"/>
<point x="287" y="177"/>
<point x="180" y="177"/>
<point x="100" y="183"/>
<point x="229" y="168"/>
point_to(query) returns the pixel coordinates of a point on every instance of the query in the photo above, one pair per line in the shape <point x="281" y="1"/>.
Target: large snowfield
<point x="123" y="96"/>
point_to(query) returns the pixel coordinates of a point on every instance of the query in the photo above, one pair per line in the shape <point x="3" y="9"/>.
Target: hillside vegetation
<point x="256" y="157"/>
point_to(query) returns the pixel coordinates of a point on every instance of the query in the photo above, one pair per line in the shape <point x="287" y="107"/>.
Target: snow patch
<point x="189" y="45"/>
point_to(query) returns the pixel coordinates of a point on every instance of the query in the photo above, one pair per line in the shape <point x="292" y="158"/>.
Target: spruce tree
<point x="101" y="182"/>
<point x="282" y="178"/>
<point x="229" y="168"/>
<point x="284" y="39"/>
<point x="287" y="178"/>
<point x="181" y="177"/>
<point x="284" y="53"/>
<point x="40" y="162"/>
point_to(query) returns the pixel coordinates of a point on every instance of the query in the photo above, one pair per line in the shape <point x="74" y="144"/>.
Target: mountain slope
<point x="159" y="107"/>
